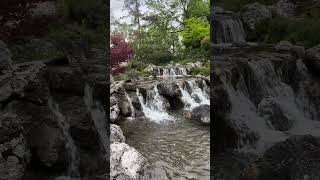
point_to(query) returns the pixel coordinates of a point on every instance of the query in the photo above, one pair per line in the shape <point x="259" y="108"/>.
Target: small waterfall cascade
<point x="154" y="105"/>
<point x="228" y="29"/>
<point x="132" y="111"/>
<point x="70" y="146"/>
<point x="170" y="71"/>
<point x="267" y="94"/>
<point x="195" y="96"/>
<point x="98" y="116"/>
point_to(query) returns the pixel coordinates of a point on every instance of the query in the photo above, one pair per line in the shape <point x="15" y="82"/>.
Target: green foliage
<point x="198" y="8"/>
<point x="204" y="71"/>
<point x="303" y="32"/>
<point x="88" y="12"/>
<point x="194" y="31"/>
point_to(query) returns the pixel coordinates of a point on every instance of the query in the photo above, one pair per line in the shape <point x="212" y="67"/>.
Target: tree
<point x="16" y="19"/>
<point x="194" y="31"/>
<point x="198" y="8"/>
<point x="120" y="53"/>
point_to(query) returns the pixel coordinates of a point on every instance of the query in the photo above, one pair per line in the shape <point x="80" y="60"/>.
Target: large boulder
<point x="126" y="162"/>
<point x="296" y="158"/>
<point x="254" y="13"/>
<point x="5" y="57"/>
<point x="201" y="114"/>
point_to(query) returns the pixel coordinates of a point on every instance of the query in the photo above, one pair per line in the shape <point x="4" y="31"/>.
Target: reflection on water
<point x="176" y="150"/>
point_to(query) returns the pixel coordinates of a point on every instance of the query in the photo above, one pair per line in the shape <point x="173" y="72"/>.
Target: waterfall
<point x="69" y="144"/>
<point x="98" y="116"/>
<point x="171" y="71"/>
<point x="154" y="105"/>
<point x="228" y="29"/>
<point x="265" y="87"/>
<point x="197" y="96"/>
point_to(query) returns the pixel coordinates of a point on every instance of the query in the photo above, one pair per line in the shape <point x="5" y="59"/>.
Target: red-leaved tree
<point x="120" y="53"/>
<point x="16" y="20"/>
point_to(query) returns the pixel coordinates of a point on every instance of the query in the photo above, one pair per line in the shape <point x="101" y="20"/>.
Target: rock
<point x="169" y="89"/>
<point x="295" y="158"/>
<point x="201" y="114"/>
<point x="116" y="134"/>
<point x="14" y="151"/>
<point x="312" y="60"/>
<point x="5" y="58"/>
<point x="126" y="162"/>
<point x="114" y="109"/>
<point x="283" y="45"/>
<point x="271" y="111"/>
<point x="254" y="13"/>
<point x="285" y="8"/>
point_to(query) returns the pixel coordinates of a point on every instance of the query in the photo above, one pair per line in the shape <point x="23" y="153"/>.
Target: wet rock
<point x="116" y="134"/>
<point x="312" y="60"/>
<point x="126" y="162"/>
<point x="169" y="89"/>
<point x="271" y="111"/>
<point x="5" y="58"/>
<point x="201" y="114"/>
<point x="114" y="109"/>
<point x="254" y="13"/>
<point x="295" y="158"/>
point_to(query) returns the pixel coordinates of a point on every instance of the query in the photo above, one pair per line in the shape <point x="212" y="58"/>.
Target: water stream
<point x="74" y="161"/>
<point x="175" y="147"/>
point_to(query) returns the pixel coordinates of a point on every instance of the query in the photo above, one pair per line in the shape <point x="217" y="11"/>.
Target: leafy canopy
<point x="194" y="31"/>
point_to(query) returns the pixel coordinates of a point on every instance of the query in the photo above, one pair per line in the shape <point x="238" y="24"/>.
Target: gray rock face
<point x="5" y="57"/>
<point x="255" y="13"/>
<point x="201" y="114"/>
<point x="126" y="162"/>
<point x="169" y="89"/>
<point x="312" y="60"/>
<point x="295" y="158"/>
<point x="14" y="151"/>
<point x="116" y="134"/>
<point x="30" y="123"/>
<point x="285" y="8"/>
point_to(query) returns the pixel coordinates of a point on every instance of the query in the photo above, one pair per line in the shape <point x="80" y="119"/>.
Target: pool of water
<point x="176" y="150"/>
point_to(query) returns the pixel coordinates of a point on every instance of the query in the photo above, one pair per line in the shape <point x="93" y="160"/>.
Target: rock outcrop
<point x="295" y="158"/>
<point x="32" y="137"/>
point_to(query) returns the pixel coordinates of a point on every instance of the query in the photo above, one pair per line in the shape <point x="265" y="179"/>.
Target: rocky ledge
<point x="42" y="106"/>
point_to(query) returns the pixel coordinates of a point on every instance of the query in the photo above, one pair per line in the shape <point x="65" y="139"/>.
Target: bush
<point x="204" y="71"/>
<point x="301" y="31"/>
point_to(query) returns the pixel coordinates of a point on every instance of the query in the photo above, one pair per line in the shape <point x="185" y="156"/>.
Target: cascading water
<point x="154" y="105"/>
<point x="228" y="29"/>
<point x="170" y="71"/>
<point x="69" y="144"/>
<point x="98" y="116"/>
<point x="197" y="96"/>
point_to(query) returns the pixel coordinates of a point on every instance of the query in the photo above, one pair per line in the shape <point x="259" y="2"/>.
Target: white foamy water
<point x="189" y="100"/>
<point x="69" y="144"/>
<point x="98" y="116"/>
<point x="154" y="108"/>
